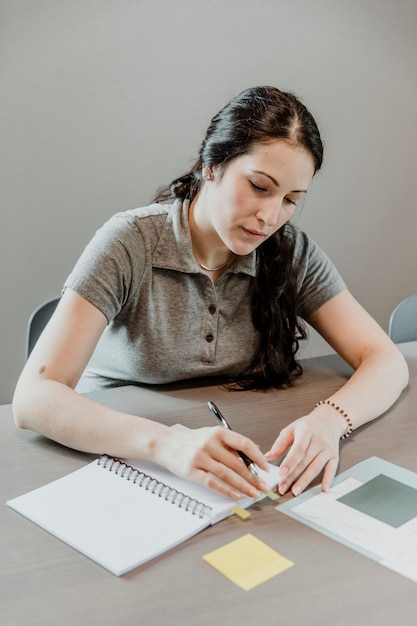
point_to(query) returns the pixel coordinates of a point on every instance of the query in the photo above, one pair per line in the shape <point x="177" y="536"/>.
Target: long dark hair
<point x="259" y="115"/>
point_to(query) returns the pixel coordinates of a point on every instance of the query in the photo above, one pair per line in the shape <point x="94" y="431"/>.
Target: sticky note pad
<point x="247" y="561"/>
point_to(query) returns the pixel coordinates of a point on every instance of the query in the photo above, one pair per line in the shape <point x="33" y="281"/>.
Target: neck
<point x="209" y="255"/>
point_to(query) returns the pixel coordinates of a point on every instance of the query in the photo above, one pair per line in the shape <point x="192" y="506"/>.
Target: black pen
<point x="223" y="422"/>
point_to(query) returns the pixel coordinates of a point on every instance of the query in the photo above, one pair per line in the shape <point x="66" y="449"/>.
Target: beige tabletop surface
<point x="43" y="581"/>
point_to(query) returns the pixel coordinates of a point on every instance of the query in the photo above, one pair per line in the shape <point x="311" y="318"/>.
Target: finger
<point x="244" y="444"/>
<point x="281" y="444"/>
<point x="231" y="468"/>
<point x="312" y="471"/>
<point x="219" y="455"/>
<point x="314" y="453"/>
<point x="329" y="474"/>
<point x="210" y="481"/>
<point x="239" y="443"/>
<point x="298" y="458"/>
<point x="223" y="475"/>
<point x="304" y="464"/>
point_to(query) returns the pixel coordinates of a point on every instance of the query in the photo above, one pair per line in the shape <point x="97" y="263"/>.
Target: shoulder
<point x="141" y="226"/>
<point x="150" y="212"/>
<point x="317" y="277"/>
<point x="110" y="269"/>
<point x="143" y="218"/>
<point x="306" y="251"/>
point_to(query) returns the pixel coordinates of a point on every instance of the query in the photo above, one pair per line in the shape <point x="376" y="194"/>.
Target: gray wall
<point x="104" y="100"/>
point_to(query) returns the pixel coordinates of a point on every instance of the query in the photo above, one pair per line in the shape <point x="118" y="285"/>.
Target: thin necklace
<point x="220" y="267"/>
<point x="214" y="269"/>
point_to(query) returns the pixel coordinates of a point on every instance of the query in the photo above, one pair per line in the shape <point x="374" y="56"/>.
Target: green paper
<point x="384" y="499"/>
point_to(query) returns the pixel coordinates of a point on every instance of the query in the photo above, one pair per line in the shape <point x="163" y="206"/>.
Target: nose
<point x="269" y="213"/>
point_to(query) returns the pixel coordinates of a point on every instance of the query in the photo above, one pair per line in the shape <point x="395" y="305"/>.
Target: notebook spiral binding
<point x="153" y="485"/>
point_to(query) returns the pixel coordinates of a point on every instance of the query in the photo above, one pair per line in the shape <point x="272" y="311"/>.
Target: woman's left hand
<point x="312" y="442"/>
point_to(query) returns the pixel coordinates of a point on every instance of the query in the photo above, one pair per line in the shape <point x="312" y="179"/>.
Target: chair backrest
<point x="37" y="322"/>
<point x="403" y="321"/>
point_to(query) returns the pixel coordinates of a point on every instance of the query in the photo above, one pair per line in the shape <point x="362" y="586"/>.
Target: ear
<point x="207" y="173"/>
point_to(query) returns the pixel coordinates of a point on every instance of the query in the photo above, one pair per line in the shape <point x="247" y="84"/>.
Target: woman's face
<point x="255" y="194"/>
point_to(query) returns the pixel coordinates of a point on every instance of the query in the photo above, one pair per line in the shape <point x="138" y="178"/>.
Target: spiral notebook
<point x="122" y="514"/>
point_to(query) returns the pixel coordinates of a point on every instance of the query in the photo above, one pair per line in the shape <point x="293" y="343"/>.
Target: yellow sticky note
<point x="247" y="561"/>
<point x="272" y="495"/>
<point x="242" y="513"/>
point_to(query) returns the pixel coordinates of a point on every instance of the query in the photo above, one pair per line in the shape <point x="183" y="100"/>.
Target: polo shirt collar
<point x="174" y="250"/>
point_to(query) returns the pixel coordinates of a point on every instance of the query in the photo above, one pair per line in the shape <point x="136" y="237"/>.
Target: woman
<point x="212" y="280"/>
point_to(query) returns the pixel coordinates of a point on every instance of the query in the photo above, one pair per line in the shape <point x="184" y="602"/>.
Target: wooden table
<point x="45" y="582"/>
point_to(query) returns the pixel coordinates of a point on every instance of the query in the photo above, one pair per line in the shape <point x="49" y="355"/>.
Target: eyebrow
<point x="276" y="183"/>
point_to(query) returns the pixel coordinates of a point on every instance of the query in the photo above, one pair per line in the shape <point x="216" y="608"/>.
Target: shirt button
<point x="209" y="338"/>
<point x="212" y="309"/>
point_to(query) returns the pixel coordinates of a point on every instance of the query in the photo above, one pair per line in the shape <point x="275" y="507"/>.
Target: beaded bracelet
<point x="349" y="428"/>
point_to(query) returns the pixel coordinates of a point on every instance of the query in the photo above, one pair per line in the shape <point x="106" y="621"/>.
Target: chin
<point x="243" y="250"/>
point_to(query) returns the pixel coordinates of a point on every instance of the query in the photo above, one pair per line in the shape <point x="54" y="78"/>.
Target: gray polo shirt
<point x="167" y="320"/>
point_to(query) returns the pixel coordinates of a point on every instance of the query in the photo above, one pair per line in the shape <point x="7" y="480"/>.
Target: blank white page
<point x="115" y="522"/>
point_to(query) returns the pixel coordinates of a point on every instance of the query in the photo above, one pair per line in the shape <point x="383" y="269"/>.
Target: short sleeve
<point x="317" y="278"/>
<point x="109" y="270"/>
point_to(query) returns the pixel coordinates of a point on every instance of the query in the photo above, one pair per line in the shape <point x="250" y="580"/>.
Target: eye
<point x="289" y="201"/>
<point x="257" y="187"/>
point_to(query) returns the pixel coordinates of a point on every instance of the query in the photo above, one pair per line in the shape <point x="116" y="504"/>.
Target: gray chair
<point x="37" y="322"/>
<point x="403" y="321"/>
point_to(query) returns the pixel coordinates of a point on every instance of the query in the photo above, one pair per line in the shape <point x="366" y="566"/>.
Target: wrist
<point x="158" y="443"/>
<point x="346" y="423"/>
<point x="148" y="441"/>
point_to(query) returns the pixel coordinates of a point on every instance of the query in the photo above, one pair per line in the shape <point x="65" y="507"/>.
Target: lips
<point x="254" y="233"/>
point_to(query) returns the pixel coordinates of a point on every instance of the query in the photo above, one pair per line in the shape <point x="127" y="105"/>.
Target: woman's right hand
<point x="209" y="456"/>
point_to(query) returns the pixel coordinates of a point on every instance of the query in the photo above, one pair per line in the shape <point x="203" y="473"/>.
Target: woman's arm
<point x="45" y="401"/>
<point x="380" y="375"/>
